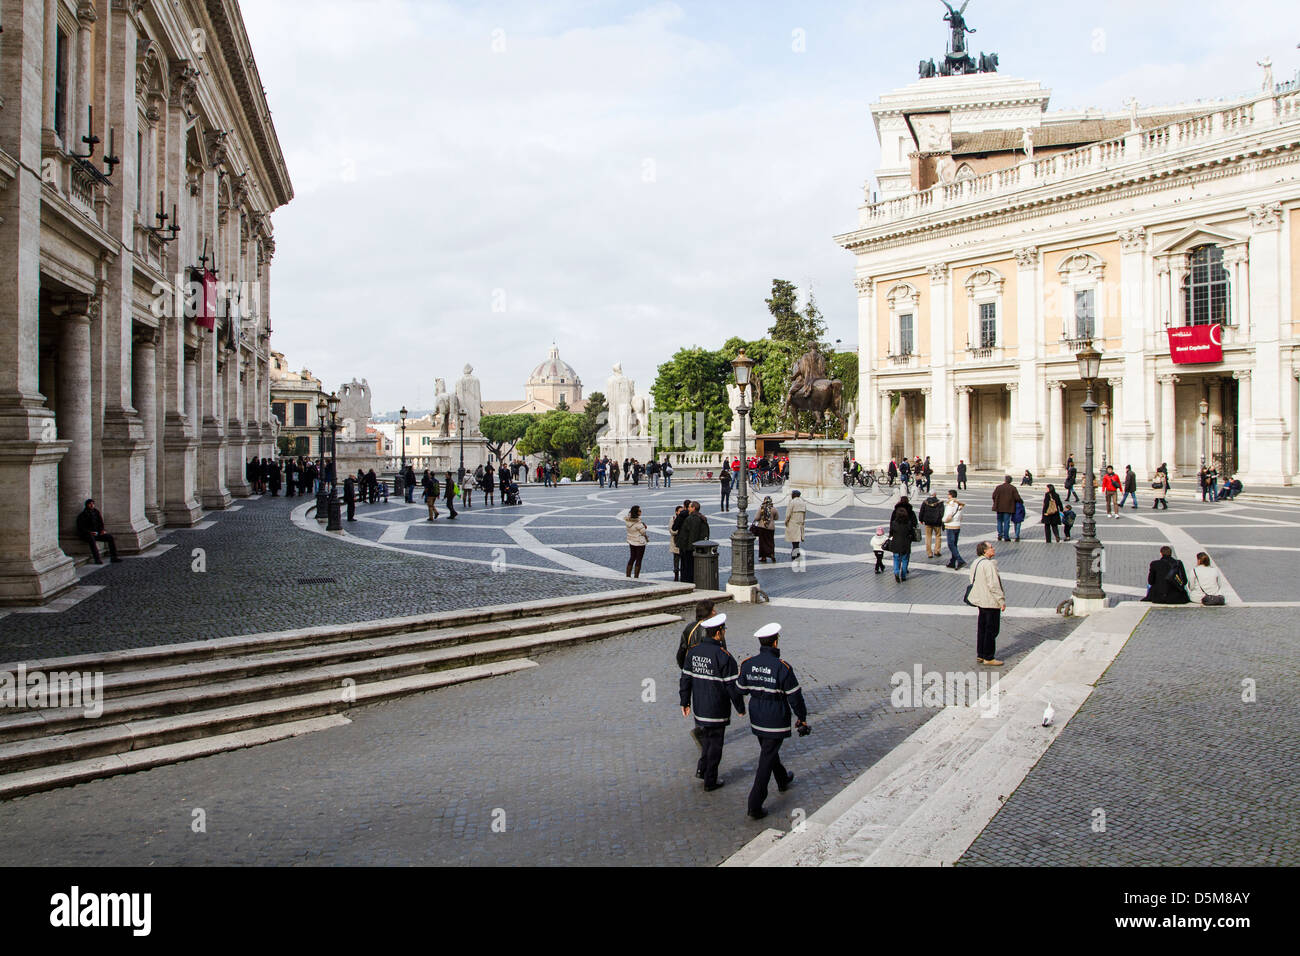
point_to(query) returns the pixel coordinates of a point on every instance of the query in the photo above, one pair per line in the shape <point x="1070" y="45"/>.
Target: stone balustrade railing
<point x="1134" y="148"/>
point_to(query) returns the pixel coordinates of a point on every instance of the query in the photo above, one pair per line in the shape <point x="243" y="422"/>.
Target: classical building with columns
<point x="110" y="388"/>
<point x="1003" y="236"/>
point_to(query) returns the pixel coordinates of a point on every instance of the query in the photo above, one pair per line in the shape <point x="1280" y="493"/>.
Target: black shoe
<point x="789" y="782"/>
<point x="710" y="787"/>
<point x="97" y="561"/>
<point x="950" y="565"/>
<point x="897" y="578"/>
<point x="699" y="774"/>
<point x="756" y="814"/>
<point x="904" y="575"/>
<point x="961" y="565"/>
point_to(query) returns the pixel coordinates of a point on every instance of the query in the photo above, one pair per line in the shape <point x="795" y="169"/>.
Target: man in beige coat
<point x="987" y="595"/>
<point x="794" y="519"/>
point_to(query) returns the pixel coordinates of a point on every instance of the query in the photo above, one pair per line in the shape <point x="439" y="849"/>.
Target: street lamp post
<point x="403" y="441"/>
<point x="335" y="522"/>
<point x="1088" y="595"/>
<point x="322" y="498"/>
<point x="742" y="584"/>
<point x="1204" y="409"/>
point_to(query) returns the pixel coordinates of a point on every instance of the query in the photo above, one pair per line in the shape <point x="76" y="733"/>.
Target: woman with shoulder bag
<point x="1052" y="509"/>
<point x="636" y="541"/>
<point x="764" y="529"/>
<point x="1206" y="584"/>
<point x="1160" y="487"/>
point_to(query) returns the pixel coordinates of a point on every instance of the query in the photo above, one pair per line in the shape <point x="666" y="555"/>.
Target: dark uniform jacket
<point x="692" y="634"/>
<point x="708" y="684"/>
<point x="773" y="693"/>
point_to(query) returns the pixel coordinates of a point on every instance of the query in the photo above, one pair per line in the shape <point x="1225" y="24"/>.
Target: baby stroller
<point x="510" y="494"/>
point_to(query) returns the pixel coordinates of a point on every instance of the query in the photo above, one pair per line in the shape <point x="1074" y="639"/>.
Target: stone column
<point x="937" y="436"/>
<point x="48" y="64"/>
<point x="74" y="416"/>
<point x="86" y="17"/>
<point x="1245" y="418"/>
<point x="1132" y="428"/>
<point x="32" y="566"/>
<point x="212" y="438"/>
<point x="1027" y="446"/>
<point x="909" y="434"/>
<point x="1012" y="464"/>
<point x="963" y="424"/>
<point x="1168" y="433"/>
<point x="1116" y="417"/>
<point x="886" y="428"/>
<point x="1215" y="398"/>
<point x="864" y="433"/>
<point x="144" y="396"/>
<point x="1056" y="406"/>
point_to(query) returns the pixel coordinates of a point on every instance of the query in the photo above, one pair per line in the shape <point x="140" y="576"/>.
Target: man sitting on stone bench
<point x="90" y="528"/>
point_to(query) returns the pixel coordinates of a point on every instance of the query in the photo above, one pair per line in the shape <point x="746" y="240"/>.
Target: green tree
<point x="694" y="380"/>
<point x="596" y="414"/>
<point x="503" y="432"/>
<point x="557" y="434"/>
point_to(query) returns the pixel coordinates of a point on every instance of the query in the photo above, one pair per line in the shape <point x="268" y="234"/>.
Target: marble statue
<point x="619" y="390"/>
<point x="469" y="399"/>
<point x="445" y="407"/>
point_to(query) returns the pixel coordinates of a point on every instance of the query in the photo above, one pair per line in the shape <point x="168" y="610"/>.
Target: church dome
<point x="554" y="371"/>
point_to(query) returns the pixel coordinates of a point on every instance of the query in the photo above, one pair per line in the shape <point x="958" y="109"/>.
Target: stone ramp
<point x="168" y="703"/>
<point x="927" y="801"/>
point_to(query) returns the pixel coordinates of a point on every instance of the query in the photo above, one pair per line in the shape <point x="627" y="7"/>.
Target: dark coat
<point x="1052" y="519"/>
<point x="1005" y="497"/>
<point x="901" y="525"/>
<point x="774" y="694"/>
<point x="90" y="522"/>
<point x="932" y="512"/>
<point x="708" y="684"/>
<point x="1131" y="482"/>
<point x="694" y="527"/>
<point x="1167" y="582"/>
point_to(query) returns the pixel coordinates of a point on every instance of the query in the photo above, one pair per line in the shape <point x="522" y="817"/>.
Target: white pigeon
<point x="1048" y="714"/>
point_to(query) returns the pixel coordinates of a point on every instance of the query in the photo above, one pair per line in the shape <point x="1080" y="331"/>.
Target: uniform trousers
<point x="769" y="765"/>
<point x="710" y="751"/>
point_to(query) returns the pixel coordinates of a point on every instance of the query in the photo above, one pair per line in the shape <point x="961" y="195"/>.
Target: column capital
<point x="145" y="336"/>
<point x="1012" y="386"/>
<point x="1133" y="240"/>
<point x="86" y="15"/>
<point x="75" y="306"/>
<point x="1243" y="374"/>
<point x="925" y="390"/>
<point x="1167" y="379"/>
<point x="1055" y="384"/>
<point x="865" y="285"/>
<point x="1115" y="382"/>
<point x="939" y="272"/>
<point x="1027" y="258"/>
<point x="966" y="389"/>
<point x="1266" y="217"/>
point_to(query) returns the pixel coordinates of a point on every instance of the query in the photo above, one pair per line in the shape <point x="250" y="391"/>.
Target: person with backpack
<point x="932" y="517"/>
<point x="1052" y="508"/>
<point x="450" y="492"/>
<point x="1167" y="579"/>
<point x="430" y="485"/>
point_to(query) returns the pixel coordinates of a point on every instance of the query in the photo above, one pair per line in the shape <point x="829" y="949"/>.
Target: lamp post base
<point x="322" y="506"/>
<point x="743" y="593"/>
<point x="1085" y="606"/>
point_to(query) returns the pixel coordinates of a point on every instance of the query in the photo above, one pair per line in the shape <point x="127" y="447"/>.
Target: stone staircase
<point x="926" y="801"/>
<point x="175" y="702"/>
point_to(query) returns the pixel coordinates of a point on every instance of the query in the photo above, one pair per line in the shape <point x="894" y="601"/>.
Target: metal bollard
<point x="706" y="565"/>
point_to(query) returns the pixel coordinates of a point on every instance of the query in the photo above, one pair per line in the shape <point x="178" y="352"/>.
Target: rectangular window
<point x="61" y="86"/>
<point x="300" y="414"/>
<point x="1085" y="313"/>
<point x="905" y="340"/>
<point x="988" y="325"/>
<point x="277" y="409"/>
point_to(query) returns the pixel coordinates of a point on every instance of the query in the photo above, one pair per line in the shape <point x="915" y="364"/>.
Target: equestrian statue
<point x="812" y="390"/>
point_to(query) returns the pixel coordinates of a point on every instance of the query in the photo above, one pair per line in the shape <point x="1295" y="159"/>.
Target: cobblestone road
<point x="584" y="770"/>
<point x="1166" y="753"/>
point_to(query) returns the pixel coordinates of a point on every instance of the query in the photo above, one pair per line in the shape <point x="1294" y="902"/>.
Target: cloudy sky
<point x="477" y="180"/>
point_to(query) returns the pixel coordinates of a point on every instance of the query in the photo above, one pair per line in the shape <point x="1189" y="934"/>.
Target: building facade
<point x="294" y="400"/>
<point x="551" y="384"/>
<point x="1005" y="236"/>
<point x="109" y="386"/>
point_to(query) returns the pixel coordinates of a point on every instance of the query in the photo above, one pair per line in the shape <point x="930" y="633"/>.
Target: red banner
<point x="207" y="317"/>
<point x="1196" y="344"/>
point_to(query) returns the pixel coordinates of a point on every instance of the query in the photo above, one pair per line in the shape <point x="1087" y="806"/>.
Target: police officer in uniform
<point x="708" y="683"/>
<point x="773" y="694"/>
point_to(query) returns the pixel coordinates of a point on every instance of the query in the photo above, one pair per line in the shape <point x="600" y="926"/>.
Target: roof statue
<point x="958" y="60"/>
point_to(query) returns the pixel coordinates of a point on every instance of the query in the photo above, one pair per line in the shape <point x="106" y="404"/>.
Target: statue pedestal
<point x="817" y="469"/>
<point x="616" y="449"/>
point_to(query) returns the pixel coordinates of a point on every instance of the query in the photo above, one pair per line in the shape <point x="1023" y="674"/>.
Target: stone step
<point x="119" y="739"/>
<point x="134" y="658"/>
<point x="224" y="683"/>
<point x="191" y="672"/>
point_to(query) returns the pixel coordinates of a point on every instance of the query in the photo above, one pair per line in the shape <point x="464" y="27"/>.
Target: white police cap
<point x="716" y="621"/>
<point x="768" y="630"/>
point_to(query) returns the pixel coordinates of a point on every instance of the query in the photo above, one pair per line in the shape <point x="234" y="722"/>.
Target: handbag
<point x="754" y="529"/>
<point x="966" y="596"/>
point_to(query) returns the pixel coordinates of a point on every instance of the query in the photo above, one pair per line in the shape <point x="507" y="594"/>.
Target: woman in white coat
<point x="794" y="521"/>
<point x="1205" y="581"/>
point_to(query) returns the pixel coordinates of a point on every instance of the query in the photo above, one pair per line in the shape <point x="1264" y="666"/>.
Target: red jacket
<point x="1110" y="483"/>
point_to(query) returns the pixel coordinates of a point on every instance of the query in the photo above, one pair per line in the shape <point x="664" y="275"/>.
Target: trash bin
<point x="706" y="565"/>
<point x="399" y="485"/>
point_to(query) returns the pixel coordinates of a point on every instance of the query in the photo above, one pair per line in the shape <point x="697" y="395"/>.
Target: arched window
<point x="1205" y="289"/>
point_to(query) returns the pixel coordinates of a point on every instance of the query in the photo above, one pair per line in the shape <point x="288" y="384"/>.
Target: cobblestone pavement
<point x="584" y="770"/>
<point x="254" y="558"/>
<point x="1181" y="770"/>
